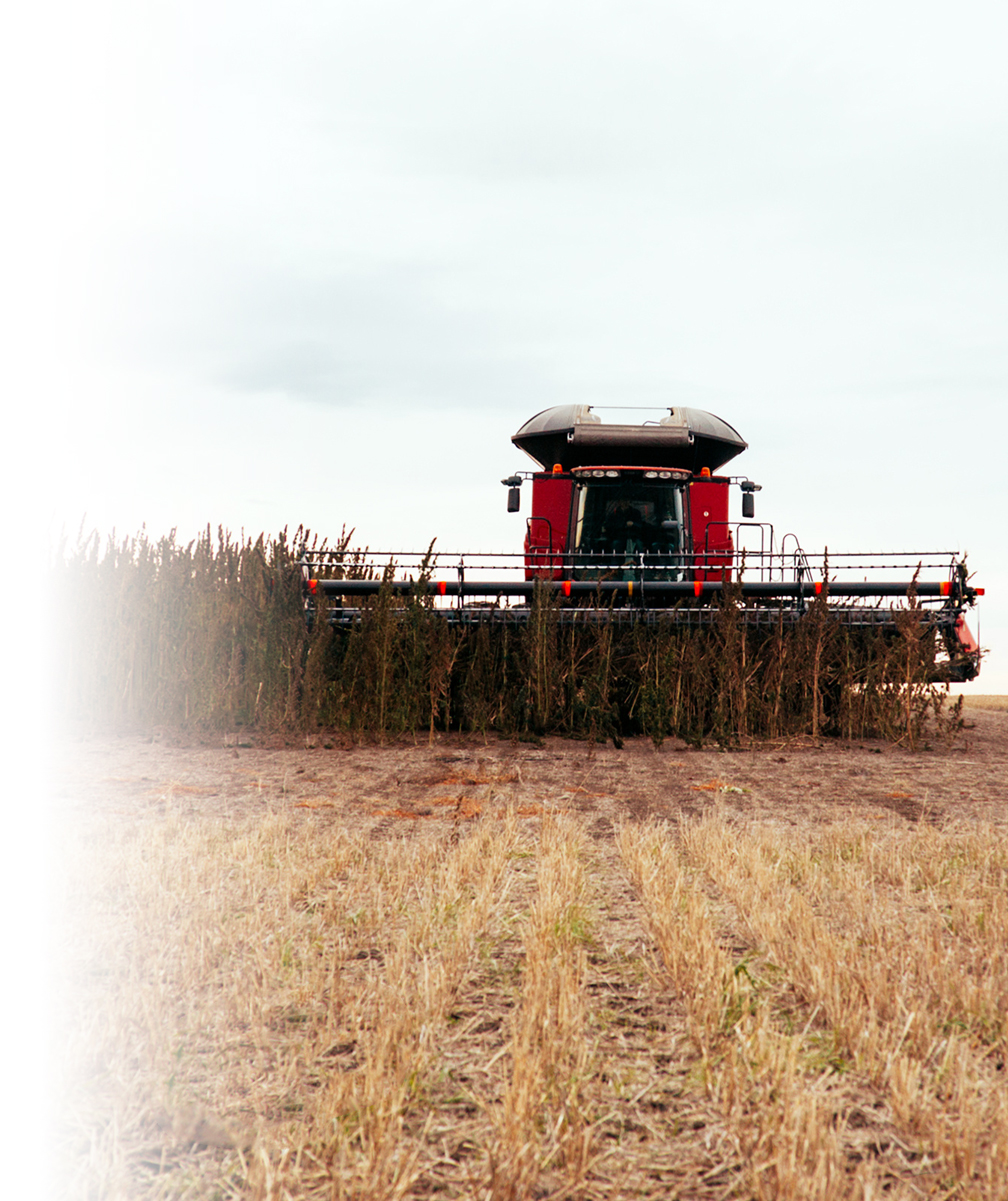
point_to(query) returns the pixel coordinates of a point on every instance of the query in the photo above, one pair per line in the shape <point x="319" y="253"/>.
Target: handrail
<point x="787" y="566"/>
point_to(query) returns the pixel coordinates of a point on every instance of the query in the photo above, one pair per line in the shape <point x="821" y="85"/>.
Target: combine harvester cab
<point x="632" y="523"/>
<point x="629" y="501"/>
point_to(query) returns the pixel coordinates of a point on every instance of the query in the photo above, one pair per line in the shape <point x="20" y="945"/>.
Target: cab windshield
<point x="620" y="520"/>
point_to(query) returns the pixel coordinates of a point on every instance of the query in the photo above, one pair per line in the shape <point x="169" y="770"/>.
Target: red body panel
<point x="712" y="541"/>
<point x="546" y="530"/>
<point x="966" y="640"/>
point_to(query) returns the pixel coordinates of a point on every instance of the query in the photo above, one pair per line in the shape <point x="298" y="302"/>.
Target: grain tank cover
<point x="573" y="436"/>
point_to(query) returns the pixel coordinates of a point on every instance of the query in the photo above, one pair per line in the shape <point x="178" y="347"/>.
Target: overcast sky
<point x="317" y="262"/>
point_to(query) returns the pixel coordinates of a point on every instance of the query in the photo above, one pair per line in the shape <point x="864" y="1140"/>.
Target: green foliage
<point x="213" y="634"/>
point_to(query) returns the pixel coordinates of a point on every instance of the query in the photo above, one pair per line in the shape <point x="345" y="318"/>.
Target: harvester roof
<point x="574" y="436"/>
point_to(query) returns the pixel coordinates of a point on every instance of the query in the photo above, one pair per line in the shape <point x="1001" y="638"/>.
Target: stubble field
<point x="497" y="970"/>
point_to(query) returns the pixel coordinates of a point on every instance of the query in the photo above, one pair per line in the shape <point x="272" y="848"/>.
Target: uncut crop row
<point x="213" y="635"/>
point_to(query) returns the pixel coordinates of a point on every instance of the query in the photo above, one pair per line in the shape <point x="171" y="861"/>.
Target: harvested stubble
<point x="780" y="1117"/>
<point x="213" y="635"/>
<point x="898" y="946"/>
<point x="993" y="704"/>
<point x="271" y="1008"/>
<point x="256" y="961"/>
<point x="543" y="1116"/>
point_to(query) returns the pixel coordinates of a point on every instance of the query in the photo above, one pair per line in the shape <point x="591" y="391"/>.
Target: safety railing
<point x="787" y="576"/>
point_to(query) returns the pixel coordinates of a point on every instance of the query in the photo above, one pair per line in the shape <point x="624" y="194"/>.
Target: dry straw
<point x="271" y="1009"/>
<point x="914" y="995"/>
<point x="543" y="1120"/>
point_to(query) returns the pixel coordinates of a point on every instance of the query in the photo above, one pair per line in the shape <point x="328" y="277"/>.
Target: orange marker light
<point x="705" y="473"/>
<point x="557" y="469"/>
<point x="630" y="587"/>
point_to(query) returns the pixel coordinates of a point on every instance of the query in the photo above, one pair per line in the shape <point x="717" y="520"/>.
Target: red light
<point x="566" y="588"/>
<point x="442" y="587"/>
<point x="818" y="588"/>
<point x="697" y="588"/>
<point x="946" y="587"/>
<point x="312" y="586"/>
<point x="979" y="591"/>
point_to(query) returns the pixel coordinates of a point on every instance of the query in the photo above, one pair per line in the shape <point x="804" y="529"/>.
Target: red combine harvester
<point x="631" y="523"/>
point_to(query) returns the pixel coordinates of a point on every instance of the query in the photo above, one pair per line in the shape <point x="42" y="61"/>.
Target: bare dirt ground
<point x="654" y="1119"/>
<point x="385" y="790"/>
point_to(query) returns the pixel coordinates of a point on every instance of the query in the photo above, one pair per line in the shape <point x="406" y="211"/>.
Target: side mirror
<point x="514" y="500"/>
<point x="749" y="499"/>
